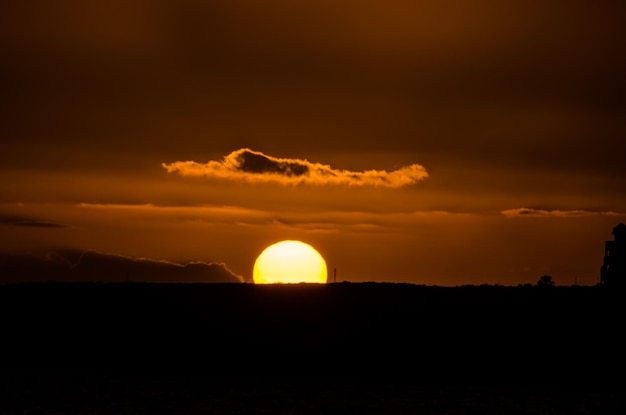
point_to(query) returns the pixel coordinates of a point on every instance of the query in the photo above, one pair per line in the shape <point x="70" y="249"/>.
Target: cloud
<point x="255" y="167"/>
<point x="29" y="222"/>
<point x="150" y="213"/>
<point x="542" y="213"/>
<point x="325" y="220"/>
<point x="76" y="266"/>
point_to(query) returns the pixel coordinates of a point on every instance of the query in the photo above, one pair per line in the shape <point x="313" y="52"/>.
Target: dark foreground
<point x="338" y="348"/>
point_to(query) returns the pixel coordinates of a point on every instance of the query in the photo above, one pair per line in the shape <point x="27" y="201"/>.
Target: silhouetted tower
<point x="613" y="271"/>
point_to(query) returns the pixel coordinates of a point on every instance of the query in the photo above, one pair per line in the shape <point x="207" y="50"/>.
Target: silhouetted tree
<point x="545" y="281"/>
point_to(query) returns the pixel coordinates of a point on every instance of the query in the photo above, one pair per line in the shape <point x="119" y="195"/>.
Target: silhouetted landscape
<point x="342" y="340"/>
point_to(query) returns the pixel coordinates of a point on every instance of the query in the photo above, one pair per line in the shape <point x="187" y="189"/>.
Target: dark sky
<point x="506" y="106"/>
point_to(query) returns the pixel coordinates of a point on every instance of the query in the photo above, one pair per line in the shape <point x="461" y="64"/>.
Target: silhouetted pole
<point x="335" y="274"/>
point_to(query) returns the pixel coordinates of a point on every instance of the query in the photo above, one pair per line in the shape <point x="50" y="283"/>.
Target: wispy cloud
<point x="29" y="222"/>
<point x="255" y="167"/>
<point x="331" y="220"/>
<point x="539" y="213"/>
<point x="204" y="213"/>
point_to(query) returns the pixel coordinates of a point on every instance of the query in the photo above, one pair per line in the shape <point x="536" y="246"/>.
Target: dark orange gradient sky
<point x="428" y="142"/>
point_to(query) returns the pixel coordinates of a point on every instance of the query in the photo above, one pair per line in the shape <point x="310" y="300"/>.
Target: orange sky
<point x="429" y="142"/>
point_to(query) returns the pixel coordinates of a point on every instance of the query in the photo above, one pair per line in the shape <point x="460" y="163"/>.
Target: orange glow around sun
<point x="289" y="262"/>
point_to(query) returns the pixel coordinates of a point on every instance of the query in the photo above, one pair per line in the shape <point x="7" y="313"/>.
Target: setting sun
<point x="289" y="262"/>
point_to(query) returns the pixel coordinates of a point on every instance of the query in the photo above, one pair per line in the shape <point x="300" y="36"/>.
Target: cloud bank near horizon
<point x="255" y="167"/>
<point x="84" y="266"/>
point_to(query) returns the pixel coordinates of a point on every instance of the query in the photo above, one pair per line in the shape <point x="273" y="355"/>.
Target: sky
<point x="429" y="142"/>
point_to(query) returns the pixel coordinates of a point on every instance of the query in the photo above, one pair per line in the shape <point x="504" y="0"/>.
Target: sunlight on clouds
<point x="255" y="167"/>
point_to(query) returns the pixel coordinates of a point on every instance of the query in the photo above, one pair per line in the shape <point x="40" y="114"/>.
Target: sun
<point x="289" y="262"/>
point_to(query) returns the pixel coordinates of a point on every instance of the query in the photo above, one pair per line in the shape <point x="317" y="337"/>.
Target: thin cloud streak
<point x="29" y="222"/>
<point x="255" y="167"/>
<point x="205" y="209"/>
<point x="542" y="213"/>
<point x="254" y="217"/>
<point x="202" y="213"/>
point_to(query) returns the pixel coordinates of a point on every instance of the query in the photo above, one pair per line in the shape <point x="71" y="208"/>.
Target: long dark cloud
<point x="256" y="167"/>
<point x="75" y="266"/>
<point x="547" y="213"/>
<point x="29" y="222"/>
